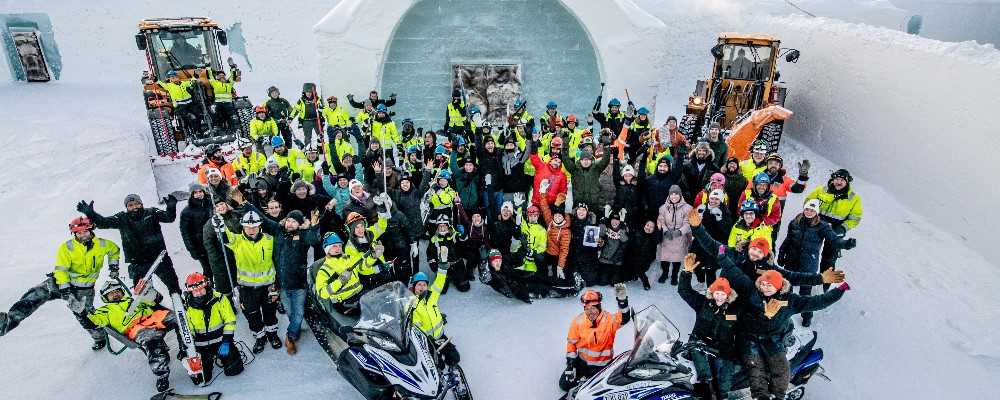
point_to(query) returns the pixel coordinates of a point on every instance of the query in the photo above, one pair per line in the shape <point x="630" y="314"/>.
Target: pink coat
<point x="674" y="216"/>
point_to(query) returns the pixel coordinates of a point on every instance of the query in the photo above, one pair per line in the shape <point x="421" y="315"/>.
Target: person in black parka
<point x="142" y="238"/>
<point x="193" y="219"/>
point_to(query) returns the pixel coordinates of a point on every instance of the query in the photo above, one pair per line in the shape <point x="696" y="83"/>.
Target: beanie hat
<point x="355" y="182"/>
<point x="718" y="177"/>
<point x="495" y="255"/>
<point x="587" y="156"/>
<point x="773" y="277"/>
<point x="271" y="162"/>
<point x="720" y="285"/>
<point x="300" y="184"/>
<point x="507" y="205"/>
<point x="718" y="194"/>
<point x="761" y="244"/>
<point x="297" y="216"/>
<point x="213" y="171"/>
<point x="195" y="186"/>
<point x="132" y="197"/>
<point x="674" y="189"/>
<point x="812" y="205"/>
<point x="627" y="169"/>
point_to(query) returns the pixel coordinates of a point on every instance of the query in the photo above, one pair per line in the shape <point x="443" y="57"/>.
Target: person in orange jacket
<point x="214" y="159"/>
<point x="591" y="339"/>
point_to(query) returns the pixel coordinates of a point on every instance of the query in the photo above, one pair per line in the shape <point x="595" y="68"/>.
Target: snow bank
<point x="908" y="113"/>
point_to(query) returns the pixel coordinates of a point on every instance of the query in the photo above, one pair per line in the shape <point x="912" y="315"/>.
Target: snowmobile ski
<point x="192" y="363"/>
<point x="140" y="286"/>
<point x="170" y="394"/>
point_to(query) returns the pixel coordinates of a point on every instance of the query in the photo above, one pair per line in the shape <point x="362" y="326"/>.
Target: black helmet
<point x="211" y="149"/>
<point x="842" y="173"/>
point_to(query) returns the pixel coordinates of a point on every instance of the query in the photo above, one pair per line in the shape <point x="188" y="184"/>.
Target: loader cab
<point x="180" y="44"/>
<point x="743" y="81"/>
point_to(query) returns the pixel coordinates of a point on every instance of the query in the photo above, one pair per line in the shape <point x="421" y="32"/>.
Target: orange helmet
<point x="195" y="280"/>
<point x="260" y="109"/>
<point x="80" y="224"/>
<point x="591" y="297"/>
<point x="353" y="217"/>
<point x="571" y="118"/>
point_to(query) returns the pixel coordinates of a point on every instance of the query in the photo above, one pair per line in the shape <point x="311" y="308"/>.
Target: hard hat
<point x="762" y="177"/>
<point x="749" y="205"/>
<point x="260" y="109"/>
<point x="195" y="280"/>
<point x="251" y="219"/>
<point x="110" y="287"/>
<point x="277" y="141"/>
<point x="614" y="102"/>
<point x="591" y="297"/>
<point x="418" y="277"/>
<point x="551" y="105"/>
<point x="80" y="224"/>
<point x="331" y="239"/>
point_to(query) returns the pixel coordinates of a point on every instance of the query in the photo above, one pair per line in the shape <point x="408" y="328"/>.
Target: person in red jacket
<point x="549" y="174"/>
<point x="760" y="193"/>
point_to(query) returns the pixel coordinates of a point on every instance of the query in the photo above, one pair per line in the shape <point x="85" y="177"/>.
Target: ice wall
<point x="909" y="113"/>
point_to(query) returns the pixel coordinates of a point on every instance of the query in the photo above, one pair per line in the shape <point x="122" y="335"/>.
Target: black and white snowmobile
<point x="390" y="358"/>
<point x="658" y="367"/>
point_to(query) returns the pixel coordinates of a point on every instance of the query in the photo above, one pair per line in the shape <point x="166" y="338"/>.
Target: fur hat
<point x="773" y="277"/>
<point x="720" y="285"/>
<point x="303" y="184"/>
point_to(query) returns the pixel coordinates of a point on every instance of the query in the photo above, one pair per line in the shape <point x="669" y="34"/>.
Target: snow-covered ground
<point x="915" y="326"/>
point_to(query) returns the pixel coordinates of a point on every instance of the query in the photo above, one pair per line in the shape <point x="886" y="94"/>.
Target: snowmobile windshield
<point x="654" y="340"/>
<point x="746" y="62"/>
<point x="385" y="315"/>
<point x="180" y="50"/>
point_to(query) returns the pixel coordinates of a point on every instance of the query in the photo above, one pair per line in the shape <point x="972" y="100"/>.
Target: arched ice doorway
<point x="537" y="48"/>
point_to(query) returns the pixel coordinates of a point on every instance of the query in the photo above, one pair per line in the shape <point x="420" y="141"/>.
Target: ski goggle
<point x="198" y="285"/>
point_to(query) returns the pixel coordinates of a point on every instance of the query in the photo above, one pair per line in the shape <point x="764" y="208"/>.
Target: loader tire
<point x="687" y="126"/>
<point x="244" y="110"/>
<point x="771" y="135"/>
<point x="161" y="127"/>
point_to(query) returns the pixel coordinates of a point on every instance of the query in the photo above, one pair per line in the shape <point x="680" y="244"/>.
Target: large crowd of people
<point x="539" y="207"/>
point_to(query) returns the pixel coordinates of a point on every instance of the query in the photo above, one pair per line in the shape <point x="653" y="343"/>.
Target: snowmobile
<point x="658" y="367"/>
<point x="386" y="357"/>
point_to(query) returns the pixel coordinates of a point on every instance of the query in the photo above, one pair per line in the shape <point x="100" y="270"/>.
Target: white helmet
<point x="251" y="219"/>
<point x="244" y="143"/>
<point x="109" y="287"/>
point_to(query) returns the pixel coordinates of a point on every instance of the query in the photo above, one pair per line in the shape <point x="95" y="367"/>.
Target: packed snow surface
<point x="915" y="325"/>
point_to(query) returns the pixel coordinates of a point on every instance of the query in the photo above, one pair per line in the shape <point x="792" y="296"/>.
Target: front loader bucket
<point x="746" y="131"/>
<point x="173" y="175"/>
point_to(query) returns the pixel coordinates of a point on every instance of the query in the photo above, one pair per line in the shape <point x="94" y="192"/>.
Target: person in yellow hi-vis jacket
<point x="78" y="264"/>
<point x="428" y="317"/>
<point x="337" y="276"/>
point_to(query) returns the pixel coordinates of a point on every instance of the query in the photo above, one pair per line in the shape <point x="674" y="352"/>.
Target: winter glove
<point x="345" y="277"/>
<point x="181" y="355"/>
<point x="668" y="234"/>
<point x="295" y="176"/>
<point x="443" y="266"/>
<point x="543" y="187"/>
<point x="392" y="96"/>
<point x="378" y="250"/>
<point x="443" y="254"/>
<point x="378" y="200"/>
<point x="690" y="263"/>
<point x="844" y="286"/>
<point x="717" y="212"/>
<point x="772" y="307"/>
<point x="113" y="268"/>
<point x="414" y="251"/>
<point x="488" y="179"/>
<point x="803" y="169"/>
<point x="170" y="200"/>
<point x="84" y="207"/>
<point x="840" y="230"/>
<point x="621" y="292"/>
<point x="272" y="294"/>
<point x="223" y="350"/>
<point x="850" y="243"/>
<point x="560" y="273"/>
<point x="832" y="276"/>
<point x="219" y="224"/>
<point x="518" y="200"/>
<point x="694" y="219"/>
<point x="607" y="211"/>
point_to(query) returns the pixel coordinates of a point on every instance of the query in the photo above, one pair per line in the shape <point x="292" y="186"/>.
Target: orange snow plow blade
<point x="746" y="131"/>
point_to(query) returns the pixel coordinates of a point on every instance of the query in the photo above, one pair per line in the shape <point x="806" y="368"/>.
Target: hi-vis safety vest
<point x="845" y="210"/>
<point x="741" y="232"/>
<point x="455" y="117"/>
<point x="223" y="91"/>
<point x="593" y="342"/>
<point x="178" y="92"/>
<point x="116" y="316"/>
<point x="328" y="284"/>
<point x="79" y="266"/>
<point x="254" y="264"/>
<point x="250" y="165"/>
<point x="211" y="323"/>
<point x="538" y="238"/>
<point x="426" y="314"/>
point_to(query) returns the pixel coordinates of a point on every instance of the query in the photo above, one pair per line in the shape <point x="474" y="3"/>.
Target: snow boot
<point x="645" y="281"/>
<point x="258" y="346"/>
<point x="665" y="266"/>
<point x="675" y="269"/>
<point x="99" y="344"/>
<point x="274" y="339"/>
<point x="163" y="383"/>
<point x="290" y="347"/>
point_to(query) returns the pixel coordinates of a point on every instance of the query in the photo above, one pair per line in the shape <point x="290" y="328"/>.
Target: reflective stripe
<point x="570" y="355"/>
<point x="69" y="245"/>
<point x="62" y="268"/>
<point x="208" y="342"/>
<point x="81" y="284"/>
<point x="591" y="353"/>
<point x="210" y="329"/>
<point x="348" y="288"/>
<point x="182" y="102"/>
<point x="249" y="278"/>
